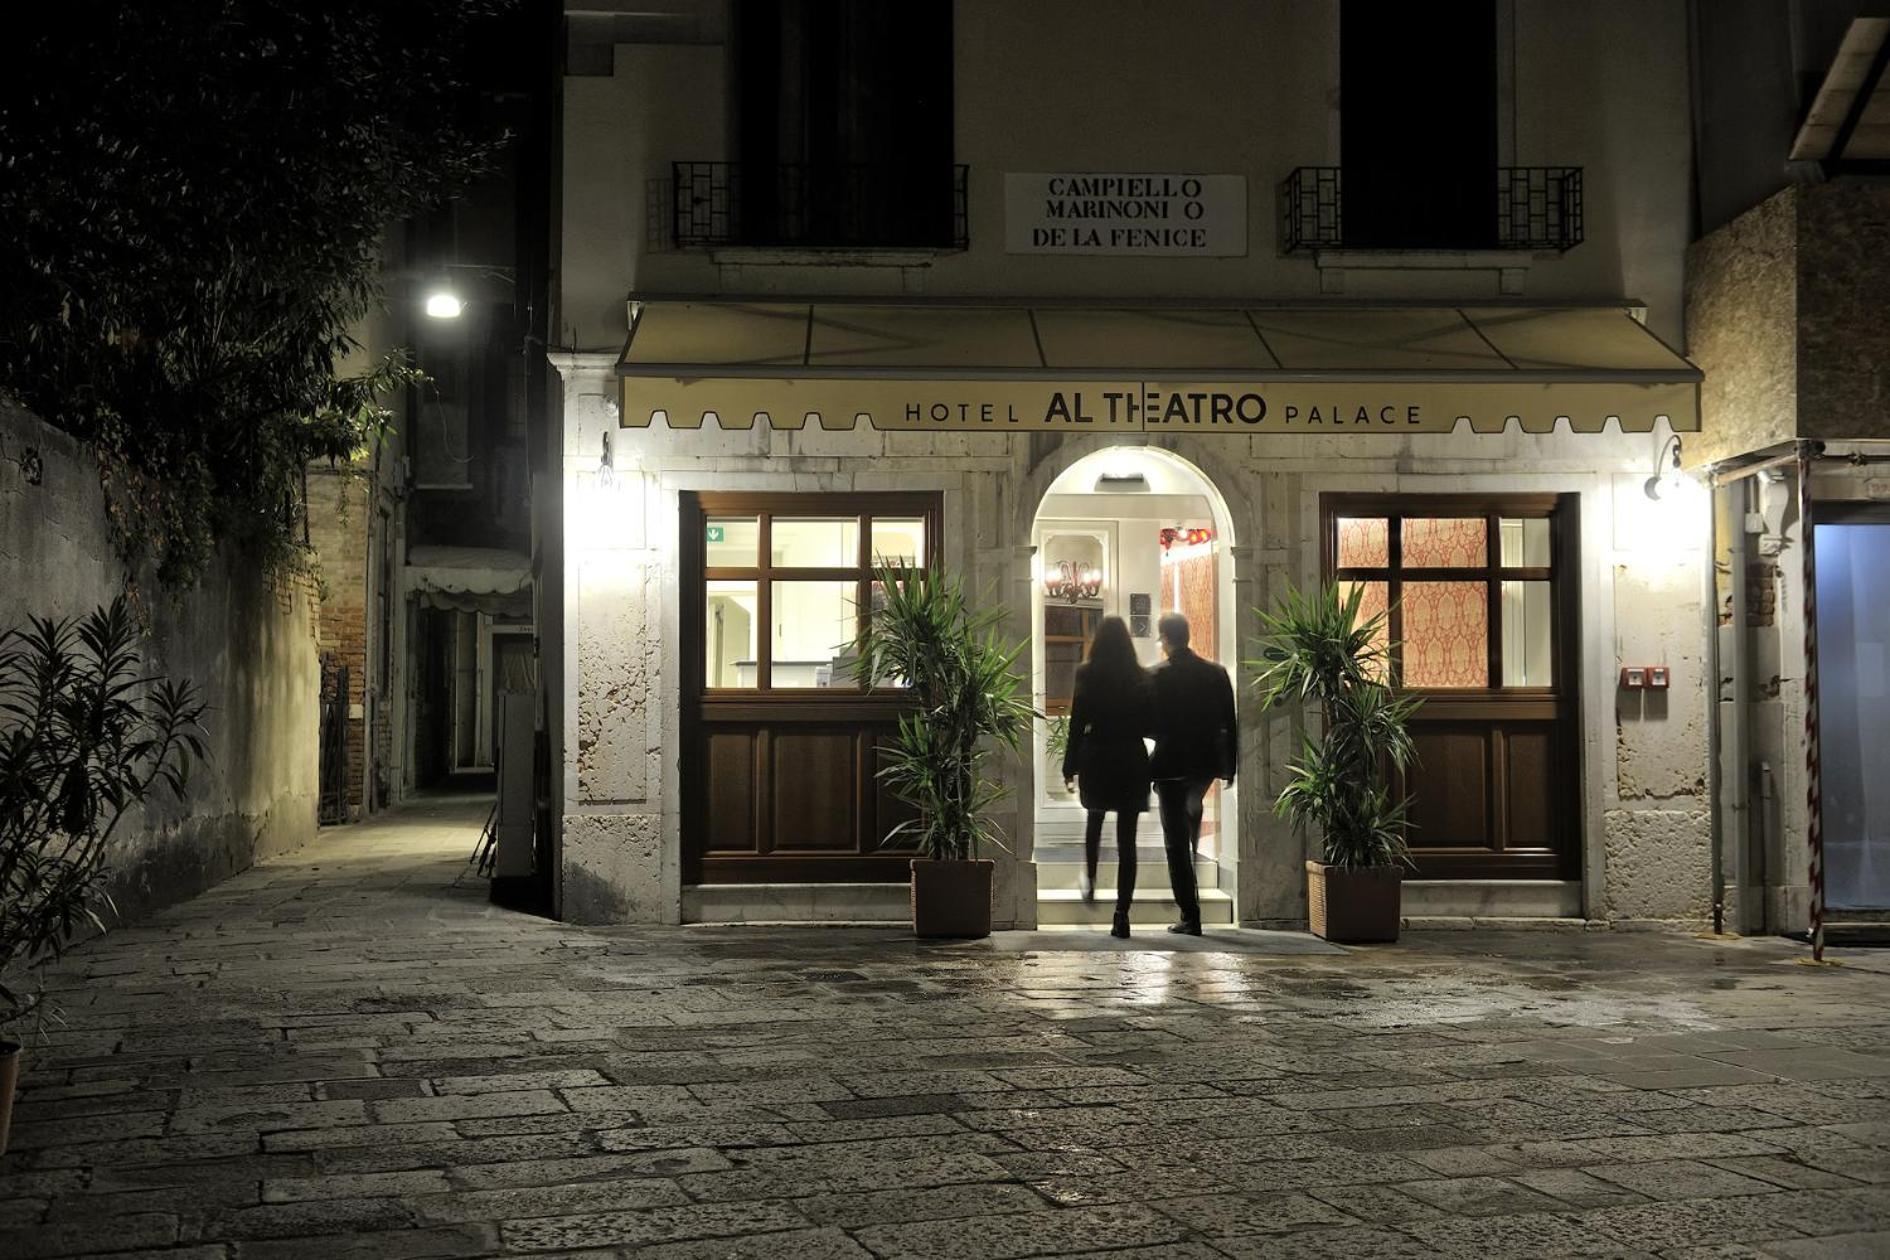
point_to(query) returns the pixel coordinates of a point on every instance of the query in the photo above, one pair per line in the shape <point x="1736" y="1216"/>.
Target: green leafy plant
<point x="196" y="203"/>
<point x="924" y="634"/>
<point x="1317" y="650"/>
<point x="1056" y="739"/>
<point x="85" y="736"/>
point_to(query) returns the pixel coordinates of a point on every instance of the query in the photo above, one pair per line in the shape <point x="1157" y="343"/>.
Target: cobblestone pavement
<point x="340" y="1055"/>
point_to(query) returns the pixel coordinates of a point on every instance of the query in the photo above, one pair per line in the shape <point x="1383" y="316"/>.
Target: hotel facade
<point x="1123" y="309"/>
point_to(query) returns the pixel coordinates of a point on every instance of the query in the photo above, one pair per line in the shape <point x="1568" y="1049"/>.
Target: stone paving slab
<point x="343" y="1054"/>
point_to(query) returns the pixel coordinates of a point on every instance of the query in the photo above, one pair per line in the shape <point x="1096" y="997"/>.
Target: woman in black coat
<point x="1109" y="716"/>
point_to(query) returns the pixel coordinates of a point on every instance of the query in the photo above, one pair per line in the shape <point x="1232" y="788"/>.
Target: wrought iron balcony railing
<point x="1535" y="208"/>
<point x="801" y="206"/>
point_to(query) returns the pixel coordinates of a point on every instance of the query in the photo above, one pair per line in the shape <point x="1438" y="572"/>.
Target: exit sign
<point x="715" y="533"/>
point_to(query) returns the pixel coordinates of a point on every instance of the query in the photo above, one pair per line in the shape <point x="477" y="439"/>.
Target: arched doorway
<point x="1134" y="532"/>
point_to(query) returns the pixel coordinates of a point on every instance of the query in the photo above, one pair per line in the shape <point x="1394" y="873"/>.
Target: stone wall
<point x="250" y="649"/>
<point x="1645" y="824"/>
<point x="1844" y="310"/>
<point x="1788" y="310"/>
<point x="353" y="523"/>
<point x="1742" y="330"/>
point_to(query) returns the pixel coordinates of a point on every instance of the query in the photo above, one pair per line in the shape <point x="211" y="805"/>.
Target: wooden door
<point x="1485" y="625"/>
<point x="781" y="745"/>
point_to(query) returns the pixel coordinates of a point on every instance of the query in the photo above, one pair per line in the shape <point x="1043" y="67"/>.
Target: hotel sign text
<point x="1153" y="216"/>
<point x="1231" y="407"/>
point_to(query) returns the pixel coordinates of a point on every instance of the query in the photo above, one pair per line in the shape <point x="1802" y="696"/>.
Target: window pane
<point x="730" y="634"/>
<point x="899" y="542"/>
<point x="1525" y="542"/>
<point x="733" y="542"/>
<point x="1445" y="543"/>
<point x="1364" y="543"/>
<point x="1446" y="634"/>
<point x="804" y="543"/>
<point x="1526" y="635"/>
<point x="814" y="628"/>
<point x="1372" y="603"/>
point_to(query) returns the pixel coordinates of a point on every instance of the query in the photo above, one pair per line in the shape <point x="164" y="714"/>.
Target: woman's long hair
<point x="1112" y="660"/>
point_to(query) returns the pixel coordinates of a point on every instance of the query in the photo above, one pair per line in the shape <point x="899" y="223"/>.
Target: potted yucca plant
<point x="85" y="735"/>
<point x="1317" y="651"/>
<point x="923" y="634"/>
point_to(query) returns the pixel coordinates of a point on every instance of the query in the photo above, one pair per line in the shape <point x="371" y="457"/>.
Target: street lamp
<point x="443" y="300"/>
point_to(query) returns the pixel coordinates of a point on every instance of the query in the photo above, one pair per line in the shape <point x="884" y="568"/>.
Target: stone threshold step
<point x="1150" y="905"/>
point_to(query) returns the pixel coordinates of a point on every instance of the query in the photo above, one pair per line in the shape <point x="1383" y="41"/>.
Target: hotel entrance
<point x="1131" y="532"/>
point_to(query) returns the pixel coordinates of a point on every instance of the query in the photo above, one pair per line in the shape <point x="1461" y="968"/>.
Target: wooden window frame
<point x="1493" y="509"/>
<point x="1558" y="705"/>
<point x="863" y="507"/>
<point x="768" y="712"/>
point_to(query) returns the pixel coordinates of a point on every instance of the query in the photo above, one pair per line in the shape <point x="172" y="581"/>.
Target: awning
<point x="983" y="365"/>
<point x="487" y="579"/>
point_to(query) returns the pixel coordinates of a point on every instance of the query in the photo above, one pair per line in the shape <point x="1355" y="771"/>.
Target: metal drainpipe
<point x="1709" y="603"/>
<point x="1741" y="706"/>
<point x="1768" y="801"/>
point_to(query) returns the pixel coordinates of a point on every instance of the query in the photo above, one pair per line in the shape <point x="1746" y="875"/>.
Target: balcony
<point x="1536" y="209"/>
<point x="738" y="204"/>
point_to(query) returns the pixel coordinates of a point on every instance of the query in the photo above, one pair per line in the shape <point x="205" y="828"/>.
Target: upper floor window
<point x="841" y="114"/>
<point x="1417" y="123"/>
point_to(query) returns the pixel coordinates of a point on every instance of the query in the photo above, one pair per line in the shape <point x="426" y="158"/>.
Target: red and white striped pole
<point x="1814" y="796"/>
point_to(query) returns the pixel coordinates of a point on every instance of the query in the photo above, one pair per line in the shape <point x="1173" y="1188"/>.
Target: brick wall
<point x="343" y="522"/>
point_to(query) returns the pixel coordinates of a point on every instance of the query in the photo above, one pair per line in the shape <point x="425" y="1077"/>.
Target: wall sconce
<point x="606" y="466"/>
<point x="1667" y="475"/>
<point x="1072" y="582"/>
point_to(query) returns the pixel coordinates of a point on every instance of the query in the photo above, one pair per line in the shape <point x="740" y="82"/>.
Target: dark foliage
<point x="85" y="735"/>
<point x="193" y="195"/>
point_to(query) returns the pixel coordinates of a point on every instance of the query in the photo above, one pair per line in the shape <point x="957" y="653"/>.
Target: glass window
<point x="1446" y="588"/>
<point x="898" y="542"/>
<point x="733" y="616"/>
<point x="732" y="542"/>
<point x="1446" y="634"/>
<point x="812" y="638"/>
<point x="1364" y="543"/>
<point x="785" y="615"/>
<point x="815" y="543"/>
<point x="1527" y="635"/>
<point x="1525" y="542"/>
<point x="1445" y="542"/>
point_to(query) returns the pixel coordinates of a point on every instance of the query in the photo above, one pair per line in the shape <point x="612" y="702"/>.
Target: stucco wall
<point x="1844" y="310"/>
<point x="249" y="649"/>
<point x="1645" y="853"/>
<point x="1245" y="87"/>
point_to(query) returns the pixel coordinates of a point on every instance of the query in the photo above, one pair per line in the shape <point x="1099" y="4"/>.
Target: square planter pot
<point x="951" y="899"/>
<point x="1354" y="906"/>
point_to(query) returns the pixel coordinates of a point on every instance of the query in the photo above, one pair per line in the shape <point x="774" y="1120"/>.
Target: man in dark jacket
<point x="1196" y="742"/>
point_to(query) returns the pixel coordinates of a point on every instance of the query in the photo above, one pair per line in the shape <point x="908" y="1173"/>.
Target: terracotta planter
<point x="951" y="898"/>
<point x="1353" y="906"/>
<point x="9" y="1083"/>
